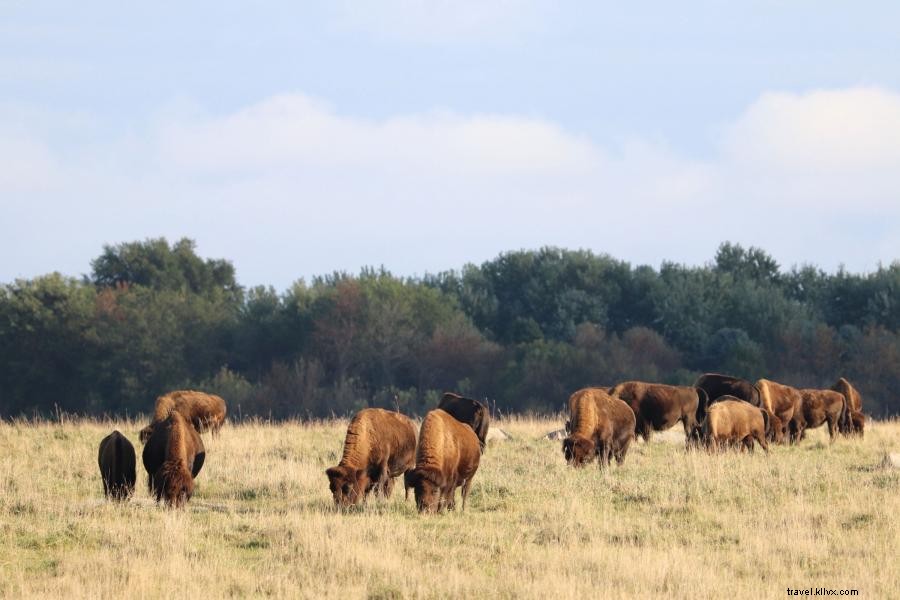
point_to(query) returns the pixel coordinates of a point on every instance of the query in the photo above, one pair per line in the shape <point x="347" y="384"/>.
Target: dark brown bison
<point x="658" y="407"/>
<point x="601" y="426"/>
<point x="173" y="457"/>
<point x="731" y="422"/>
<point x="818" y="407"/>
<point x="852" y="421"/>
<point x="379" y="445"/>
<point x="203" y="411"/>
<point x="781" y="400"/>
<point x="117" y="466"/>
<point x="473" y="413"/>
<point x="717" y="385"/>
<point x="447" y="457"/>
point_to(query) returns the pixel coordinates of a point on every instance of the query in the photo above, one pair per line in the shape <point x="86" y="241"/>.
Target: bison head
<point x="578" y="450"/>
<point x="173" y="485"/>
<point x="428" y="485"/>
<point x="775" y="430"/>
<point x="858" y="422"/>
<point x="347" y="485"/>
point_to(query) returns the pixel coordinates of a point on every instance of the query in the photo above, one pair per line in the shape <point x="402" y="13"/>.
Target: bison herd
<point x="717" y="412"/>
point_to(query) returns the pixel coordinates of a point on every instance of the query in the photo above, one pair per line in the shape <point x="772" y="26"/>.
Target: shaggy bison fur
<point x="601" y="425"/>
<point x="117" y="466"/>
<point x="447" y="457"/>
<point x="379" y="445"/>
<point x="173" y="456"/>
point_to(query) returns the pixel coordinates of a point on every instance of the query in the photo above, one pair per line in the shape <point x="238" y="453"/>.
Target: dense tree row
<point x="522" y="330"/>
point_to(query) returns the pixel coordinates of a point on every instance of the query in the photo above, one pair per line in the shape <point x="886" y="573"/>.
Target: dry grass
<point x="668" y="523"/>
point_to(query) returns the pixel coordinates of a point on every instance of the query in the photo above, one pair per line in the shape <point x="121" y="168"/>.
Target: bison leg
<point x="832" y="428"/>
<point x="388" y="486"/>
<point x="464" y="493"/>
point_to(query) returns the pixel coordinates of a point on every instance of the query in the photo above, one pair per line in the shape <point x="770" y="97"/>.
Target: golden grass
<point x="668" y="523"/>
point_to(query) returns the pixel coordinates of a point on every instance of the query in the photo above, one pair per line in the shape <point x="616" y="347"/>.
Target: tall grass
<point x="668" y="523"/>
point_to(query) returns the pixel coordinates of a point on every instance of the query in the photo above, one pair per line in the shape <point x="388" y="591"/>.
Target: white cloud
<point x="289" y="187"/>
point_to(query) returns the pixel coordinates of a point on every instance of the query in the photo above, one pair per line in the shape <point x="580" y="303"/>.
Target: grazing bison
<point x="473" y="413"/>
<point x="717" y="385"/>
<point x="204" y="411"/>
<point x="818" y="407"/>
<point x="850" y="423"/>
<point x="602" y="426"/>
<point x="781" y="400"/>
<point x="775" y="433"/>
<point x="447" y="457"/>
<point x="173" y="456"/>
<point x="732" y="421"/>
<point x="117" y="466"/>
<point x="658" y="407"/>
<point x="380" y="445"/>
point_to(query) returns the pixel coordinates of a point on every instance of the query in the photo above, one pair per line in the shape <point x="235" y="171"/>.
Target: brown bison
<point x="117" y="466"/>
<point x="852" y="421"/>
<point x="204" y="411"/>
<point x="732" y="421"/>
<point x="473" y="413"/>
<point x="173" y="457"/>
<point x="447" y="457"/>
<point x="818" y="407"/>
<point x="380" y="445"/>
<point x="658" y="407"/>
<point x="783" y="401"/>
<point x="601" y="426"/>
<point x="717" y="385"/>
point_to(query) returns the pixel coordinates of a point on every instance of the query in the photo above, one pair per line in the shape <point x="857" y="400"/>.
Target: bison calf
<point x="731" y="422"/>
<point x="117" y="466"/>
<point x="447" y="457"/>
<point x="379" y="445"/>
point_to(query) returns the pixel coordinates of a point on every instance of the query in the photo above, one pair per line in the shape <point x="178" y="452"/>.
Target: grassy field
<point x="668" y="523"/>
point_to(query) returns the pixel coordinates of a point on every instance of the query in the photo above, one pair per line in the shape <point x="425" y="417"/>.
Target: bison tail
<point x="702" y="403"/>
<point x="845" y="424"/>
<point x="767" y="425"/>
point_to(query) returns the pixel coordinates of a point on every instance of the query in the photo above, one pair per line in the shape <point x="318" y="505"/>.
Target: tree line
<point x="523" y="330"/>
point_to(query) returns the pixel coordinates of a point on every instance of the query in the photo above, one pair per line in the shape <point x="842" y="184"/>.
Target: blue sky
<point x="300" y="139"/>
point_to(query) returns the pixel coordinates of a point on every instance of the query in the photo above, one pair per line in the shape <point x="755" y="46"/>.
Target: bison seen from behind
<point x="117" y="466"/>
<point x="206" y="412"/>
<point x="379" y="446"/>
<point x="732" y="421"/>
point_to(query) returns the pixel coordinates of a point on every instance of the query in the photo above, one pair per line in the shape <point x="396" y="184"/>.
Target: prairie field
<point x="668" y="523"/>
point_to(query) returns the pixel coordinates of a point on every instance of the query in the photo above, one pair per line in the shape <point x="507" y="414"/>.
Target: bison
<point x="717" y="385"/>
<point x="379" y="445"/>
<point x="818" y="407"/>
<point x="852" y="421"/>
<point x="781" y="400"/>
<point x="473" y="413"/>
<point x="658" y="407"/>
<point x="204" y="411"/>
<point x="447" y="457"/>
<point x="173" y="457"/>
<point x="117" y="466"/>
<point x="732" y="421"/>
<point x="601" y="426"/>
